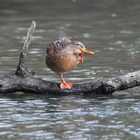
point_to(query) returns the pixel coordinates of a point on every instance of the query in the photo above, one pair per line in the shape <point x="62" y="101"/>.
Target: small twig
<point x="28" y="38"/>
<point x="21" y="68"/>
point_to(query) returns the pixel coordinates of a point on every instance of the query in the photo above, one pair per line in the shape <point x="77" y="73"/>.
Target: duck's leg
<point x="64" y="84"/>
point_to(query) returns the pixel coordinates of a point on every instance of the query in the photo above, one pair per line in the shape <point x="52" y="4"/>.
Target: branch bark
<point x="25" y="81"/>
<point x="21" y="68"/>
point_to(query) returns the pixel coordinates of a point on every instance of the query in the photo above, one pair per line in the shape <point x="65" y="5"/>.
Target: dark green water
<point x="112" y="29"/>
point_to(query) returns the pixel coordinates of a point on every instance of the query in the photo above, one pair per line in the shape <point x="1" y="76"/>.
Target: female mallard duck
<point x="63" y="55"/>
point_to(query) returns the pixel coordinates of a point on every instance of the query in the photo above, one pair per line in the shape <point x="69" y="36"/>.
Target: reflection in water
<point x="109" y="28"/>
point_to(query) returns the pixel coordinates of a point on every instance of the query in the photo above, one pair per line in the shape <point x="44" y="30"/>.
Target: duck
<point x="64" y="55"/>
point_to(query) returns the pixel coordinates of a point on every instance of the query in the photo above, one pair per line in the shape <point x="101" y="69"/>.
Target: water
<point x="111" y="28"/>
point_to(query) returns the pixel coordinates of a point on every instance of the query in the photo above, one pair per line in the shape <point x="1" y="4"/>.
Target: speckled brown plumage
<point x="57" y="45"/>
<point x="63" y="55"/>
<point x="57" y="60"/>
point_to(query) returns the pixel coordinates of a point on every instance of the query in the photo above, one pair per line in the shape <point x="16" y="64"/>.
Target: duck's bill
<point x="87" y="51"/>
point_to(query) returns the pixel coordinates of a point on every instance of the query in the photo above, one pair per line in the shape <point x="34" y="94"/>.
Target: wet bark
<point x="24" y="80"/>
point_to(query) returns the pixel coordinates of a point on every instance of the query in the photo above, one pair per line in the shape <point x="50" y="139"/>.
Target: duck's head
<point x="79" y="49"/>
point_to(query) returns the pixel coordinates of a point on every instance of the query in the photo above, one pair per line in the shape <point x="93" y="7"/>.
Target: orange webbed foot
<point x="64" y="85"/>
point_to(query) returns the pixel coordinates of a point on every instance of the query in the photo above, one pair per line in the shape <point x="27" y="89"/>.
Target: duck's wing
<point x="58" y="45"/>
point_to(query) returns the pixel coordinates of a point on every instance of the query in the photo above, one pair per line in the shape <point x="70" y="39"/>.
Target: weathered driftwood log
<point x="25" y="81"/>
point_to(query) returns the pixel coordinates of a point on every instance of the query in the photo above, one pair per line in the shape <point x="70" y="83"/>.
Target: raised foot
<point x="64" y="85"/>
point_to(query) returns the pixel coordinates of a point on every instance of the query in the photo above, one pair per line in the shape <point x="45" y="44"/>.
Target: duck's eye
<point x="81" y="45"/>
<point x="77" y="44"/>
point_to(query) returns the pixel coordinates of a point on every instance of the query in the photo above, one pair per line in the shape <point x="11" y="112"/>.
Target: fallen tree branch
<point x="25" y="81"/>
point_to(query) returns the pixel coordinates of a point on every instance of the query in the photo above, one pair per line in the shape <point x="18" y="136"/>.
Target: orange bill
<point x="84" y="50"/>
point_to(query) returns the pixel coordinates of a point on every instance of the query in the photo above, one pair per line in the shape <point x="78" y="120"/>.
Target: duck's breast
<point x="61" y="63"/>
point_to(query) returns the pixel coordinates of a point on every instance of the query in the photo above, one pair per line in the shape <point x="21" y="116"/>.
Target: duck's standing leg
<point x="64" y="84"/>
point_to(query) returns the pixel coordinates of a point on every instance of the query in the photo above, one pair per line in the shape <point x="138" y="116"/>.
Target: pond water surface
<point x="112" y="29"/>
